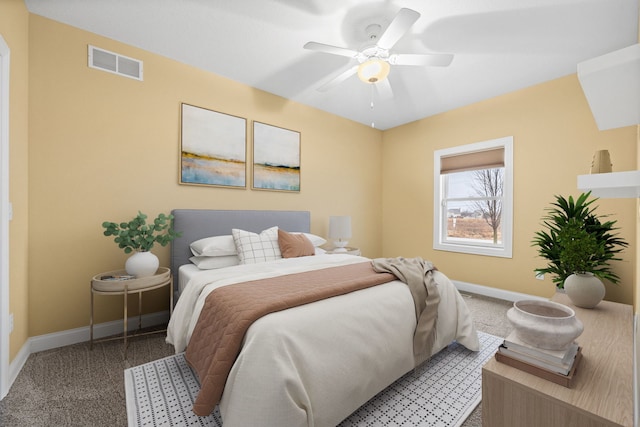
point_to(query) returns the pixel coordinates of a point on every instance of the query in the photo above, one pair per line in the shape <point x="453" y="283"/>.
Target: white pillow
<point x="315" y="240"/>
<point x="255" y="248"/>
<point x="214" y="246"/>
<point x="212" y="262"/>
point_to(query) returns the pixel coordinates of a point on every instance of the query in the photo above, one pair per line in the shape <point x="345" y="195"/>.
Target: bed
<point x="313" y="364"/>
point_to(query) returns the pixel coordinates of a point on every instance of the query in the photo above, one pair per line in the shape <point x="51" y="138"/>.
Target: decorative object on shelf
<point x="545" y="324"/>
<point x="276" y="158"/>
<point x="213" y="148"/>
<point x="601" y="162"/>
<point x="138" y="236"/>
<point x="340" y="232"/>
<point x="577" y="241"/>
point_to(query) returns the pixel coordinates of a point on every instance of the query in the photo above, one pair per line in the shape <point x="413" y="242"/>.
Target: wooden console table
<point x="602" y="394"/>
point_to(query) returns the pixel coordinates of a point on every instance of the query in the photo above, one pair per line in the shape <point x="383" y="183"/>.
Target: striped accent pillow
<point x="255" y="248"/>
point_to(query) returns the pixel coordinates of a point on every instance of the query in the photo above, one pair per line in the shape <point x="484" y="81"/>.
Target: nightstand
<point x="110" y="283"/>
<point x="350" y="251"/>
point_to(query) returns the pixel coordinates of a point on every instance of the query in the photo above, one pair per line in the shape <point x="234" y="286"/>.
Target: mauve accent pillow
<point x="294" y="245"/>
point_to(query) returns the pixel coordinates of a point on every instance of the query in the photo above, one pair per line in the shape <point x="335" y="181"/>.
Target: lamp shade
<point x="373" y="70"/>
<point x="339" y="227"/>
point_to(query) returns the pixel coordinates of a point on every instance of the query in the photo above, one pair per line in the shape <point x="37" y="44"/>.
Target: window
<point x="473" y="198"/>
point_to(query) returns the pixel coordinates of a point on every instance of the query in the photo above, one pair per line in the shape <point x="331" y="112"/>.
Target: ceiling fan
<point x="375" y="61"/>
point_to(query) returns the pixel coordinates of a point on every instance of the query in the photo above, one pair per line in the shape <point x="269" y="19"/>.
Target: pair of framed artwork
<point x="214" y="152"/>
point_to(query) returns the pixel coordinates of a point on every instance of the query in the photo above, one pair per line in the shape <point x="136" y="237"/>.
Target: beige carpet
<point x="72" y="386"/>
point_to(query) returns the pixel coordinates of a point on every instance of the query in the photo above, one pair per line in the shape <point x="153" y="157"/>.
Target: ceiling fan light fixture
<point x="373" y="70"/>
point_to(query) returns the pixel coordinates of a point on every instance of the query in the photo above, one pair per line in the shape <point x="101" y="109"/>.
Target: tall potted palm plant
<point x="578" y="244"/>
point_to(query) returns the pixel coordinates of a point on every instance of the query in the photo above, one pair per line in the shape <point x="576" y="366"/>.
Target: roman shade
<point x="486" y="159"/>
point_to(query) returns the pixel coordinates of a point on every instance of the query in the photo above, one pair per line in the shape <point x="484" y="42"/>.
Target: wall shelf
<point x="621" y="185"/>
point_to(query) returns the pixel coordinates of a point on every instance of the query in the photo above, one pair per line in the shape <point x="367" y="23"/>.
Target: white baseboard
<point x="18" y="362"/>
<point x="493" y="292"/>
<point x="74" y="336"/>
<point x="77" y="335"/>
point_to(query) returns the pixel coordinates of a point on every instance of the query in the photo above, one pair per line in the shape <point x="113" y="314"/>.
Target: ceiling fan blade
<point x="334" y="50"/>
<point x="384" y="89"/>
<point x="338" y="79"/>
<point x="398" y="27"/>
<point x="427" y="59"/>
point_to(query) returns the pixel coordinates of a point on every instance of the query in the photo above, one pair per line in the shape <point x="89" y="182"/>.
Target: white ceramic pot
<point x="584" y="289"/>
<point x="142" y="264"/>
<point x="545" y="324"/>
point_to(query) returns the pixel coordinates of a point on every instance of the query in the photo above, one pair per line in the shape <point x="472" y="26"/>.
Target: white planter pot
<point x="142" y="264"/>
<point x="545" y="324"/>
<point x="584" y="289"/>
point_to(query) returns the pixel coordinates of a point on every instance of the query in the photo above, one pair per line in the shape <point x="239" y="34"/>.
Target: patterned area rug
<point x="441" y="392"/>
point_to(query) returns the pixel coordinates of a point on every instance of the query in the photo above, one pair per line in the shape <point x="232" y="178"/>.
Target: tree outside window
<point x="488" y="183"/>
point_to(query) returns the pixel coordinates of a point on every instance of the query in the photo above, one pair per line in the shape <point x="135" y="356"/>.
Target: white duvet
<point x="315" y="364"/>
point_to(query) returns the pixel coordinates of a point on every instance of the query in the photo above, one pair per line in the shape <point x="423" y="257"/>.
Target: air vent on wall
<point x="114" y="63"/>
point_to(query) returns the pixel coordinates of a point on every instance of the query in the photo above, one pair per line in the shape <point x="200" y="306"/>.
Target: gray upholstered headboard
<point x="196" y="224"/>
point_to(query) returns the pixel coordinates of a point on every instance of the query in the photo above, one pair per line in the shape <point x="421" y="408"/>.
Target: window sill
<point x="474" y="250"/>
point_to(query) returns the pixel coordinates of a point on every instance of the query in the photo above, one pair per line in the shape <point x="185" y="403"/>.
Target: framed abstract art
<point x="213" y="148"/>
<point x="276" y="158"/>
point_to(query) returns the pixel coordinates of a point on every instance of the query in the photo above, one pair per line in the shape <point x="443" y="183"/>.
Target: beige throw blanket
<point x="418" y="275"/>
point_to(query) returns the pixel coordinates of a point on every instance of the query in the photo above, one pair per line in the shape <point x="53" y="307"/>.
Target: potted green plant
<point x="578" y="243"/>
<point x="139" y="237"/>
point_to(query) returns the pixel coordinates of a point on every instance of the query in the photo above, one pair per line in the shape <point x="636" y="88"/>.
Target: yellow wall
<point x="555" y="137"/>
<point x="103" y="147"/>
<point x="89" y="146"/>
<point x="14" y="24"/>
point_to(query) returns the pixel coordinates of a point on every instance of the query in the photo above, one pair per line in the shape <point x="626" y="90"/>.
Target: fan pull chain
<point x="373" y="125"/>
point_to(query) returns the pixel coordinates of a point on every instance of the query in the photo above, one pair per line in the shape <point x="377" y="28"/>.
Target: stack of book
<point x="111" y="278"/>
<point x="558" y="366"/>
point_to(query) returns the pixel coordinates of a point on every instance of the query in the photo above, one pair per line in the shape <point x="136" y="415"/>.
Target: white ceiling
<point x="499" y="45"/>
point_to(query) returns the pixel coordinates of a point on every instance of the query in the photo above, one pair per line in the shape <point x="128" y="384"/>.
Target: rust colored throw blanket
<point x="230" y="310"/>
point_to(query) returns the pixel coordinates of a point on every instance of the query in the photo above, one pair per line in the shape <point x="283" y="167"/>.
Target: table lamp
<point x="340" y="232"/>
